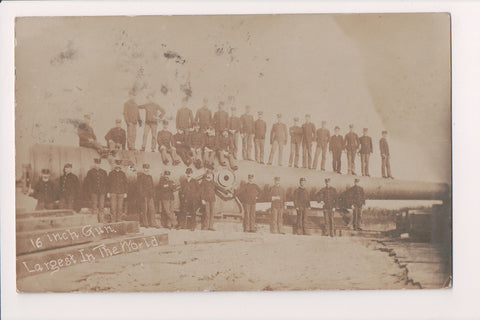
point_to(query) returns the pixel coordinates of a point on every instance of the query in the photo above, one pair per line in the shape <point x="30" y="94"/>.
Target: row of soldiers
<point x="220" y="135"/>
<point x="192" y="195"/>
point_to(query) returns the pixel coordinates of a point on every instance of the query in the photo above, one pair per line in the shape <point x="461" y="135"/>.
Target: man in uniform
<point x="385" y="153"/>
<point x="224" y="151"/>
<point x="336" y="147"/>
<point x="69" y="188"/>
<point x="189" y="197"/>
<point x="196" y="143"/>
<point x="207" y="196"/>
<point x="220" y="119"/>
<point x="328" y="198"/>
<point x="248" y="194"/>
<point x="165" y="145"/>
<point x="203" y="117"/>
<point x="351" y="145"/>
<point x="87" y="137"/>
<point x="277" y="194"/>
<point x="296" y="134"/>
<point x="278" y="139"/>
<point x="153" y="113"/>
<point x="323" y="137"/>
<point x="210" y="148"/>
<point x="366" y="148"/>
<point x="184" y="119"/>
<point x="116" y="137"/>
<point x="182" y="147"/>
<point x="260" y="131"/>
<point x="234" y="127"/>
<point x="117" y="191"/>
<point x="145" y="193"/>
<point x="301" y="202"/>
<point x="95" y="185"/>
<point x="132" y="117"/>
<point x="166" y="189"/>
<point x="247" y="132"/>
<point x="45" y="192"/>
<point x="356" y="197"/>
<point x="307" y="140"/>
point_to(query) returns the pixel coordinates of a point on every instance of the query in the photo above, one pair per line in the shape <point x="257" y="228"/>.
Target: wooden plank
<point x="31" y="224"/>
<point x="44" y="213"/>
<point x="54" y="260"/>
<point x="33" y="241"/>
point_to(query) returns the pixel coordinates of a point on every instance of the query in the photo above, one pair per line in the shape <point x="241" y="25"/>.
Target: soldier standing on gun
<point x="203" y="117"/>
<point x="166" y="189"/>
<point x="95" y="185"/>
<point x="248" y="194"/>
<point x="296" y="134"/>
<point x="277" y="194"/>
<point x="184" y="119"/>
<point x="328" y="197"/>
<point x="207" y="196"/>
<point x="189" y="197"/>
<point x="307" y="140"/>
<point x="145" y="193"/>
<point x="234" y="127"/>
<point x="69" y="188"/>
<point x="117" y="191"/>
<point x="247" y="132"/>
<point x="323" y="137"/>
<point x="153" y="113"/>
<point x="278" y="139"/>
<point x="351" y="145"/>
<point x="45" y="192"/>
<point x="366" y="148"/>
<point x="356" y="197"/>
<point x="336" y="147"/>
<point x="301" y="201"/>
<point x="132" y="117"/>
<point x="220" y="119"/>
<point x="260" y="131"/>
<point x="385" y="153"/>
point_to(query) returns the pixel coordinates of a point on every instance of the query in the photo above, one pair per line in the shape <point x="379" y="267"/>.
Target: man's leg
<point x="367" y="164"/>
<point x="309" y="149"/>
<point x="153" y="129"/>
<point x="384" y="165"/>
<point x="120" y="207"/>
<point x="280" y="220"/>
<point x="349" y="161"/>
<point x="151" y="213"/>
<point x="362" y="163"/>
<point x="233" y="162"/>
<point x="387" y="164"/>
<point x="246" y="216"/>
<point x="280" y="154"/>
<point x="292" y="152"/>
<point x="262" y="150"/>
<point x="131" y="135"/>
<point x="40" y="205"/>
<point x="143" y="212"/>
<point x="146" y="130"/>
<point x="257" y="150"/>
<point x="244" y="147"/>
<point x="175" y="158"/>
<point x="304" y="219"/>
<point x="273" y="221"/>
<point x="211" y="206"/>
<point x="304" y="154"/>
<point x="332" y="226"/>
<point x="249" y="146"/>
<point x="324" y="157"/>
<point x="253" y="226"/>
<point x="272" y="152"/>
<point x="113" y="207"/>
<point x="315" y="157"/>
<point x="297" y="154"/>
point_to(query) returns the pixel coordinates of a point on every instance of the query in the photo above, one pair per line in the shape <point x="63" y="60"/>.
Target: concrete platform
<point x="44" y="213"/>
<point x="42" y="223"/>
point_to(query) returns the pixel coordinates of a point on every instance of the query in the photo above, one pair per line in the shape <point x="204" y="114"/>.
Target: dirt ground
<point x="230" y="261"/>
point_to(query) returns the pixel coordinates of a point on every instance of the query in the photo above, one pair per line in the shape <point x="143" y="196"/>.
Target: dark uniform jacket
<point x="336" y="143"/>
<point x="351" y="141"/>
<point x="249" y="193"/>
<point x="45" y="191"/>
<point x="189" y="190"/>
<point x="384" y="150"/>
<point x="323" y="137"/>
<point x="166" y="188"/>
<point x="151" y="112"/>
<point x="211" y="142"/>
<point x="235" y="123"/>
<point x="117" y="135"/>
<point x="130" y="112"/>
<point x="279" y="133"/>
<point x="247" y="124"/>
<point x="165" y="138"/>
<point x="301" y="198"/>
<point x="117" y="182"/>
<point x="207" y="191"/>
<point x="85" y="132"/>
<point x="180" y="140"/>
<point x="277" y="192"/>
<point x="224" y="143"/>
<point x="356" y="196"/>
<point x="308" y="132"/>
<point x="203" y="118"/>
<point x="145" y="185"/>
<point x="329" y="197"/>
<point x="197" y="139"/>
<point x="220" y="120"/>
<point x="366" y="145"/>
<point x="69" y="185"/>
<point x="260" y="129"/>
<point x="184" y="120"/>
<point x="296" y="134"/>
<point x="96" y="181"/>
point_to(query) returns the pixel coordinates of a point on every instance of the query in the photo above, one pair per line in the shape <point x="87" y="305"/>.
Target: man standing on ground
<point x="45" y="192"/>
<point x="234" y="127"/>
<point x="351" y="145"/>
<point x="260" y="131"/>
<point x="69" y="188"/>
<point x="116" y="137"/>
<point x="307" y="140"/>
<point x="277" y="194"/>
<point x="145" y="193"/>
<point x="328" y="198"/>
<point x="247" y="132"/>
<point x="366" y="148"/>
<point x="248" y="194"/>
<point x="296" y="134"/>
<point x="278" y="139"/>
<point x="95" y="185"/>
<point x="301" y="202"/>
<point x="117" y="191"/>
<point x="385" y="152"/>
<point x="356" y="197"/>
<point x="189" y="197"/>
<point x="153" y="113"/>
<point x="207" y="196"/>
<point x="323" y="137"/>
<point x="336" y="147"/>
<point x="166" y="189"/>
<point x="132" y="117"/>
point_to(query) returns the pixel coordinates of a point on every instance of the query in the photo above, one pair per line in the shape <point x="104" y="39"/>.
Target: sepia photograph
<point x="246" y="152"/>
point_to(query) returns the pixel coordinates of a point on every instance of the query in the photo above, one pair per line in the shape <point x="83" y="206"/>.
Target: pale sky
<point x="381" y="71"/>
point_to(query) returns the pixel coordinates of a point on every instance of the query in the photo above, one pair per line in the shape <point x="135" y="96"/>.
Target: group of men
<point x="201" y="137"/>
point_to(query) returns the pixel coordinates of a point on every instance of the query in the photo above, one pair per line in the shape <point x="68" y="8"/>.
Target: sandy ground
<point x="228" y="261"/>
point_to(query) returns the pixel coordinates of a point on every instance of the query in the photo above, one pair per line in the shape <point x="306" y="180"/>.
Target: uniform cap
<point x="350" y="126"/>
<point x="365" y="129"/>
<point x="189" y="170"/>
<point x="276" y="178"/>
<point x="296" y="119"/>
<point x="45" y="171"/>
<point x="384" y="131"/>
<point x="67" y="165"/>
<point x="97" y="160"/>
<point x="146" y="166"/>
<point x="303" y="179"/>
<point x="87" y="116"/>
<point x="327" y="179"/>
<point x="250" y="176"/>
<point x="307" y="116"/>
<point x="118" y="121"/>
<point x="260" y="112"/>
<point x="166" y="173"/>
<point x="357" y="180"/>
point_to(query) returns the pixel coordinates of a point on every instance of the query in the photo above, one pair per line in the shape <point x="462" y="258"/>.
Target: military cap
<point x="276" y="178"/>
<point x="365" y="129"/>
<point x="45" y="171"/>
<point x="189" y="170"/>
<point x="166" y="173"/>
<point x="302" y="179"/>
<point x="327" y="179"/>
<point x="296" y="119"/>
<point x="260" y="112"/>
<point x="87" y="116"/>
<point x="384" y="131"/>
<point x="118" y="121"/>
<point x="279" y="115"/>
<point x="250" y="176"/>
<point x="357" y="180"/>
<point x="307" y="116"/>
<point x="350" y="126"/>
<point x="337" y="127"/>
<point x="146" y="166"/>
<point x="67" y="165"/>
<point x="165" y="121"/>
